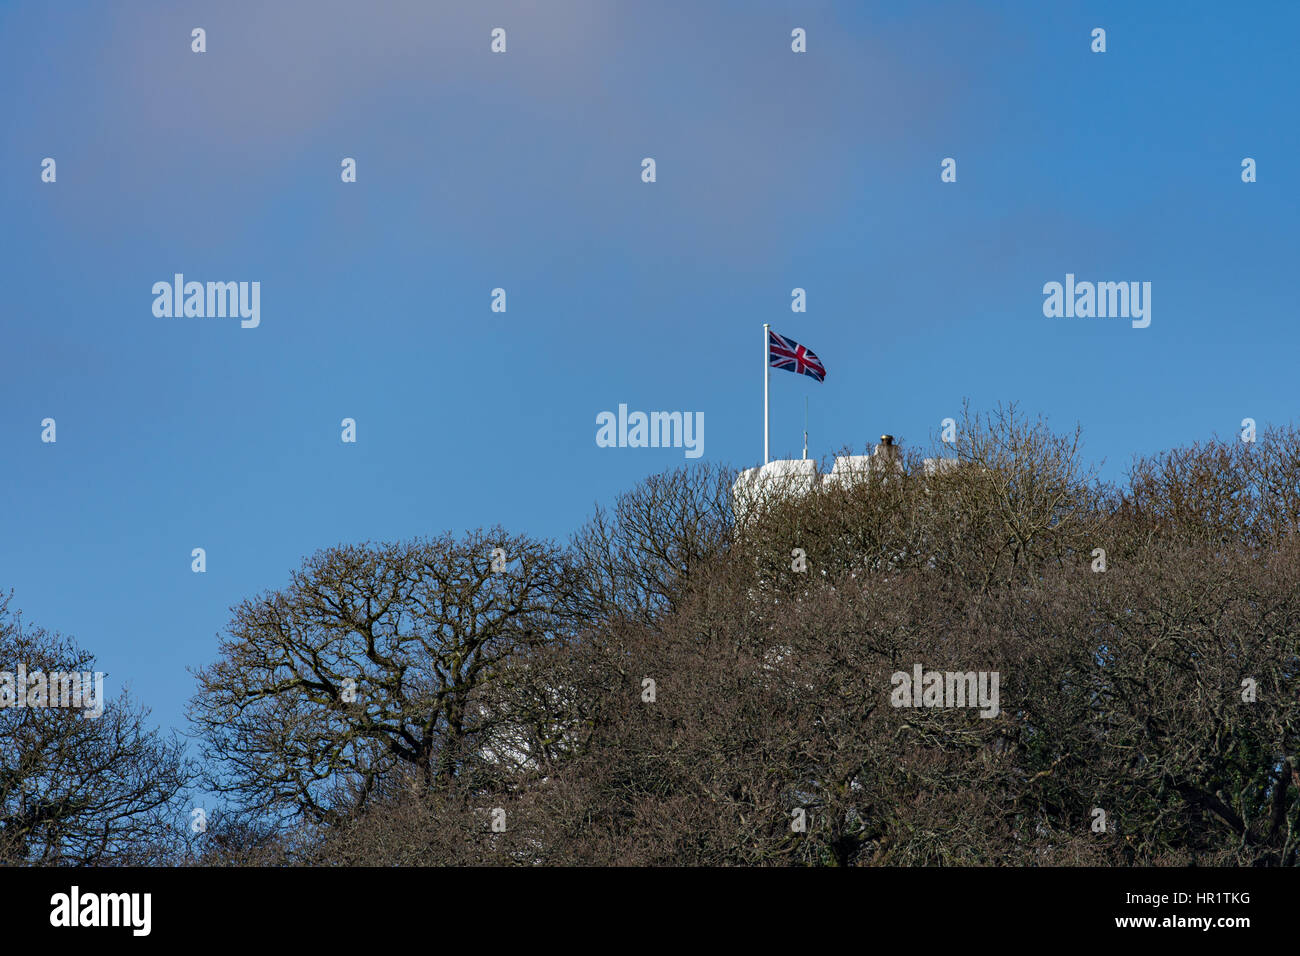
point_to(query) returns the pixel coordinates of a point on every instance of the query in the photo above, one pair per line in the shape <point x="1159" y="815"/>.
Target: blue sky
<point x="522" y="171"/>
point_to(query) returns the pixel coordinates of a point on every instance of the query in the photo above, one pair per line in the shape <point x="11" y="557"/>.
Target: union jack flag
<point x="793" y="357"/>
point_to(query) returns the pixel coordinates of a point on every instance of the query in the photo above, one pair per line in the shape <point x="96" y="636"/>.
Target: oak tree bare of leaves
<point x="371" y="660"/>
<point x="75" y="789"/>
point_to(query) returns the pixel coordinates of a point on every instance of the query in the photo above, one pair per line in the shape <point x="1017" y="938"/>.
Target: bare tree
<point x="635" y="560"/>
<point x="75" y="788"/>
<point x="372" y="659"/>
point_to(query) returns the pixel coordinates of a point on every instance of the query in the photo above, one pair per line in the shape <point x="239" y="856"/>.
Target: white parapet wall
<point x="778" y="479"/>
<point x="851" y="469"/>
<point x="786" y="478"/>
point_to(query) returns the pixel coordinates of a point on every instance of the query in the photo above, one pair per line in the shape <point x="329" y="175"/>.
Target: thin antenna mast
<point x="805" y="427"/>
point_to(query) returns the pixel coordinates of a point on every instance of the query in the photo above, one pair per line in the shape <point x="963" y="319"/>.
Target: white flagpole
<point x="767" y="372"/>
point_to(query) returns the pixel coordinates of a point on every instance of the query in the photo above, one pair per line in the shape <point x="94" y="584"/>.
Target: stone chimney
<point x="886" y="448"/>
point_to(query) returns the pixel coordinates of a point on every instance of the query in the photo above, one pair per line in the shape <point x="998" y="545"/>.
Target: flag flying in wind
<point x="793" y="357"/>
